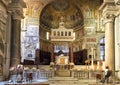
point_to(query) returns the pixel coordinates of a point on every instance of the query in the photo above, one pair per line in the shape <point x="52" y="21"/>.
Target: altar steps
<point x="70" y="81"/>
<point x="63" y="81"/>
<point x="75" y="81"/>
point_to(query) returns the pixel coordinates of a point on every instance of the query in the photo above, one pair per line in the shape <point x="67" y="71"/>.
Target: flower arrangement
<point x="16" y="69"/>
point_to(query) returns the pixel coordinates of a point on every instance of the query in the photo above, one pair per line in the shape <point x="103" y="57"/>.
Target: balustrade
<point x="37" y="74"/>
<point x="80" y="74"/>
<point x="86" y="74"/>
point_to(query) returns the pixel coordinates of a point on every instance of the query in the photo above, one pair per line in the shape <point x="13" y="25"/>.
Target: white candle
<point x="92" y="51"/>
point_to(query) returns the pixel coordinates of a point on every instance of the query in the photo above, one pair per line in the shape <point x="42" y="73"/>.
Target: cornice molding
<point x="109" y="9"/>
<point x="106" y="2"/>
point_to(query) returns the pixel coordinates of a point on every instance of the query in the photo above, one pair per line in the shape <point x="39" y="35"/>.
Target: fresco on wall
<point x="91" y="16"/>
<point x="30" y="43"/>
<point x="33" y="8"/>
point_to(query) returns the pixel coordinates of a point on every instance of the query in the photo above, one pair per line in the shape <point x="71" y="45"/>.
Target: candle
<point x="92" y="53"/>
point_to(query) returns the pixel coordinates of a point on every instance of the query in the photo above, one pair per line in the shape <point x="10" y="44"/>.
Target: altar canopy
<point x="62" y="33"/>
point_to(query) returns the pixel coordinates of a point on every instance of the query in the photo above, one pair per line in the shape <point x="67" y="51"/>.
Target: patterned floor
<point x="57" y="82"/>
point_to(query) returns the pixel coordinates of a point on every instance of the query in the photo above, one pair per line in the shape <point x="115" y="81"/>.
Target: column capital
<point x="109" y="18"/>
<point x="17" y="14"/>
<point x="109" y="13"/>
<point x="16" y="7"/>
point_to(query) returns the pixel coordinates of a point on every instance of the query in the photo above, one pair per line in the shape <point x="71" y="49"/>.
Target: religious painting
<point x="30" y="42"/>
<point x="62" y="60"/>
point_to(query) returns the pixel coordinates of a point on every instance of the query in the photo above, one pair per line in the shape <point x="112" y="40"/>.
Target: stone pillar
<point x="71" y="54"/>
<point x="37" y="57"/>
<point x="109" y="11"/>
<point x="109" y="41"/>
<point x="15" y="43"/>
<point x="16" y="7"/>
<point x="52" y="54"/>
<point x="117" y="44"/>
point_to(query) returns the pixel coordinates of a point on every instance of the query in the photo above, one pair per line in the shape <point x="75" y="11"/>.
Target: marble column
<point x="117" y="44"/>
<point x="16" y="8"/>
<point x="109" y="41"/>
<point x="52" y="54"/>
<point x="15" y="42"/>
<point x="71" y="54"/>
<point x="37" y="57"/>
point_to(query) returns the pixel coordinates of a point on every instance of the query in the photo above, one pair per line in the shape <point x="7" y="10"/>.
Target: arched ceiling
<point x="49" y="12"/>
<point x="69" y="11"/>
<point x="35" y="5"/>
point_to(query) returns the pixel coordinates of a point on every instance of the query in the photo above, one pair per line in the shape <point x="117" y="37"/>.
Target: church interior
<point x="59" y="42"/>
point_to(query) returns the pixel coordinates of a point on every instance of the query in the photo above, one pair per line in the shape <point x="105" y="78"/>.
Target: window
<point x="58" y="33"/>
<point x="102" y="49"/>
<point x="61" y="33"/>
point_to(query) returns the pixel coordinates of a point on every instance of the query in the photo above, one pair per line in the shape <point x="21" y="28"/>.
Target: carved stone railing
<point x="37" y="74"/>
<point x="86" y="74"/>
<point x="80" y="74"/>
<point x="45" y="74"/>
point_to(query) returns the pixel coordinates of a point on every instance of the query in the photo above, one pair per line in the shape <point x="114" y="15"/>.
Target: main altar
<point x="62" y="38"/>
<point x="62" y="67"/>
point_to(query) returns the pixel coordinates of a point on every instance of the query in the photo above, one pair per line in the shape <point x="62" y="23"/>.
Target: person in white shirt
<point x="108" y="73"/>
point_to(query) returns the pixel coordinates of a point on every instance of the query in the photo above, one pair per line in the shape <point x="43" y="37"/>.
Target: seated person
<point x="108" y="73"/>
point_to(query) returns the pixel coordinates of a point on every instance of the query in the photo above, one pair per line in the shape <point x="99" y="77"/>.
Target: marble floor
<point x="62" y="81"/>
